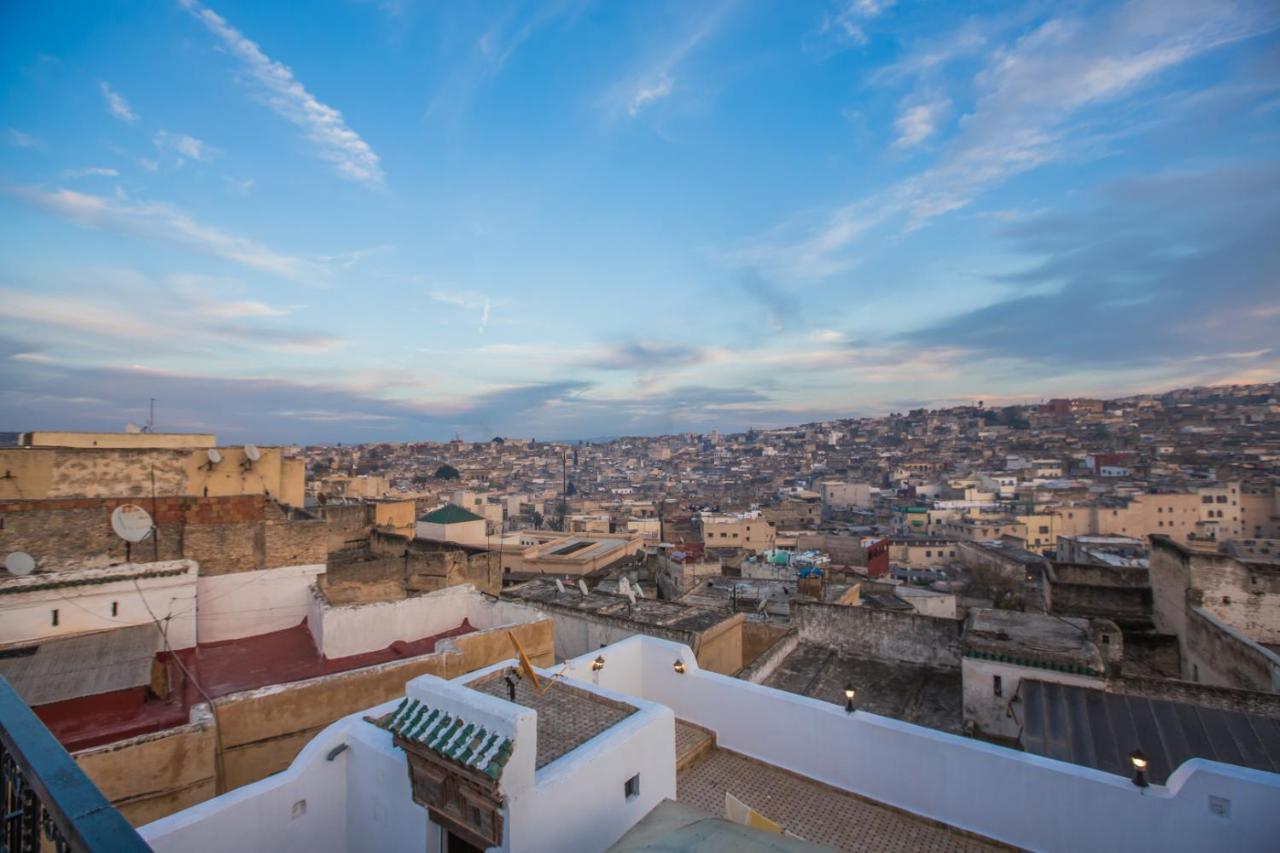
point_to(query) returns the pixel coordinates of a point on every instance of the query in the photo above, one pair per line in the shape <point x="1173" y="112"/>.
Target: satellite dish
<point x="631" y="596"/>
<point x="582" y="585"/>
<point x="20" y="563"/>
<point x="252" y="453"/>
<point x="636" y="586"/>
<point x="131" y="523"/>
<point x="624" y="586"/>
<point x="215" y="456"/>
<point x="559" y="587"/>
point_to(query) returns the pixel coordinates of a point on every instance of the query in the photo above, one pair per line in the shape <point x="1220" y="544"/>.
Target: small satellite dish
<point x="215" y="456"/>
<point x="639" y="592"/>
<point x="764" y="602"/>
<point x="20" y="563"/>
<point x="131" y="523"/>
<point x="252" y="453"/>
<point x="582" y="585"/>
<point x="559" y="587"/>
<point x="624" y="586"/>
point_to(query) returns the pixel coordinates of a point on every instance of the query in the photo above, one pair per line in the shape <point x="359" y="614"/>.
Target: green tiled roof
<point x="450" y="737"/>
<point x="449" y="514"/>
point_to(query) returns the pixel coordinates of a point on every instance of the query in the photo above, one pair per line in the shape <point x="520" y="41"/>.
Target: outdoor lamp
<point x="678" y="666"/>
<point x="849" y="693"/>
<point x="1139" y="768"/>
<point x="597" y="664"/>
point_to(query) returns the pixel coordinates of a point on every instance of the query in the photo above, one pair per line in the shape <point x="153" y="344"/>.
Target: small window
<point x="632" y="788"/>
<point x="55" y="617"/>
<point x="997" y="685"/>
<point x="1106" y="639"/>
<point x="115" y="608"/>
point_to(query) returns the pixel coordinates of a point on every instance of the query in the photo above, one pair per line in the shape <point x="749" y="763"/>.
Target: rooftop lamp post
<point x="849" y="693"/>
<point x="1139" y="768"/>
<point x="597" y="664"/>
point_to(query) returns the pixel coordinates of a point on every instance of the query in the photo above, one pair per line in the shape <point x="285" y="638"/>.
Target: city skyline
<point x="388" y="222"/>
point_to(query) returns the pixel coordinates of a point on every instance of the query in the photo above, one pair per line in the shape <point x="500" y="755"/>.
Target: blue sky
<point x="391" y="220"/>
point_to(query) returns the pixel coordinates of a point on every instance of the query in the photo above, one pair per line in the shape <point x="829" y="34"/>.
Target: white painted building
<point x="350" y="788"/>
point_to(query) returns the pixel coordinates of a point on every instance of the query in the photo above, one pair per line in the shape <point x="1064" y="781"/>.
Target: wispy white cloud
<point x="91" y="171"/>
<point x="184" y="146"/>
<point x="168" y="224"/>
<point x="240" y="186"/>
<point x="850" y="20"/>
<point x="323" y="125"/>
<point x="116" y="103"/>
<point x="919" y="121"/>
<point x="484" y="317"/>
<point x="1029" y="93"/>
<point x="659" y="78"/>
<point x="18" y="139"/>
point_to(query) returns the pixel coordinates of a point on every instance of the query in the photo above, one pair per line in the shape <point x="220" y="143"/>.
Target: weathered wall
<point x="757" y="637"/>
<point x="349" y="524"/>
<point x="766" y="662"/>
<point x="881" y="634"/>
<point x="719" y="648"/>
<point x="1120" y="594"/>
<point x="150" y="776"/>
<point x="223" y="534"/>
<point x="1216" y="653"/>
<point x="41" y="473"/>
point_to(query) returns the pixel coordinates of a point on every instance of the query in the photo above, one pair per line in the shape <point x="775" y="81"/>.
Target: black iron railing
<point x="48" y="802"/>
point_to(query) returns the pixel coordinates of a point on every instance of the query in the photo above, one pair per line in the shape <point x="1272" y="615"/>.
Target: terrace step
<point x="693" y="743"/>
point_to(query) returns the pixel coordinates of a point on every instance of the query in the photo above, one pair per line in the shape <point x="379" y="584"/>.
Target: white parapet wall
<point x="352" y="629"/>
<point x="1025" y="800"/>
<point x="78" y="601"/>
<point x="243" y="604"/>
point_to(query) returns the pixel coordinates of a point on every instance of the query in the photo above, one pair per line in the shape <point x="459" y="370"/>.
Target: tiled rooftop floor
<point x="815" y="812"/>
<point x="567" y="717"/>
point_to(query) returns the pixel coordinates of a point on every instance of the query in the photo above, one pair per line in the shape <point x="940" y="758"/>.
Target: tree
<point x="447" y="472"/>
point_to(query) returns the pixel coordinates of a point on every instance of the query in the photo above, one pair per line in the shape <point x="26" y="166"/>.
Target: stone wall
<point x="1116" y="593"/>
<point x="224" y="534"/>
<point x="1224" y="698"/>
<point x="881" y="634"/>
<point x="150" y="776"/>
<point x="1215" y="653"/>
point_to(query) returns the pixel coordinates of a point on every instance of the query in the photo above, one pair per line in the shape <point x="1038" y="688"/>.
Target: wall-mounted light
<point x="678" y="666"/>
<point x="849" y="694"/>
<point x="597" y="664"/>
<point x="1139" y="762"/>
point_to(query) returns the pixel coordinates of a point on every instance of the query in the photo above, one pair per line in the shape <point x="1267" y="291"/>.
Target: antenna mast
<point x="151" y="418"/>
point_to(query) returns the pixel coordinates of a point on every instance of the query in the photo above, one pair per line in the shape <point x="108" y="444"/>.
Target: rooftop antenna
<point x="151" y="417"/>
<point x="20" y="563"/>
<point x="133" y="524"/>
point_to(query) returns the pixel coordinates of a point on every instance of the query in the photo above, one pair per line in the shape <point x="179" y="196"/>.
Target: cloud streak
<point x="324" y="126"/>
<point x="167" y="224"/>
<point x="116" y="103"/>
<point x="1031" y="95"/>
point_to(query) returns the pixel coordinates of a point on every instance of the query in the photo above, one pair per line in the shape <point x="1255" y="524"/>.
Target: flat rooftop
<point x="568" y="716"/>
<point x="233" y="666"/>
<point x="916" y="694"/>
<point x="1032" y="636"/>
<point x="813" y="811"/>
<point x="674" y="615"/>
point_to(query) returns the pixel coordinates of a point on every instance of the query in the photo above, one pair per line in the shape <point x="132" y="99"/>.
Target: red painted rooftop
<point x="220" y="669"/>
